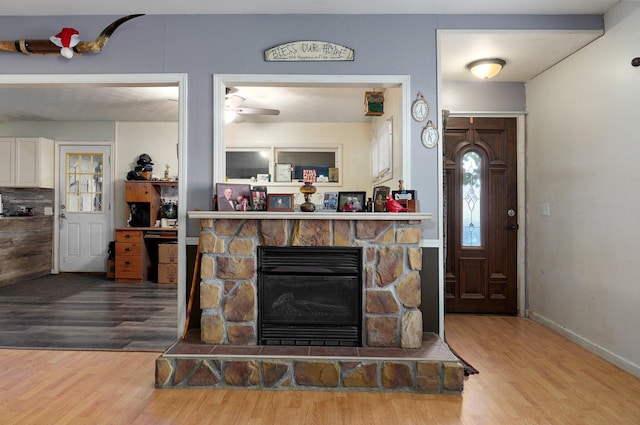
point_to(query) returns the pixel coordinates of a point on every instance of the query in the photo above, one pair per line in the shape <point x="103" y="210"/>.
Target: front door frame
<point x="521" y="207"/>
<point x="521" y="213"/>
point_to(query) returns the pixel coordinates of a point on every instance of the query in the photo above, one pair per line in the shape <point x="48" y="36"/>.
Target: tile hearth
<point x="431" y="369"/>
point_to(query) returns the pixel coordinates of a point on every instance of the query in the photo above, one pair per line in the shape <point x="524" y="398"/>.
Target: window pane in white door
<point x="84" y="183"/>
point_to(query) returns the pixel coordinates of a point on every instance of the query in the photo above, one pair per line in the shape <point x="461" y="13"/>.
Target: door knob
<point x="512" y="226"/>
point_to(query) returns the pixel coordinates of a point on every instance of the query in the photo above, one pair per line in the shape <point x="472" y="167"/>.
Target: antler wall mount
<point x="66" y="42"/>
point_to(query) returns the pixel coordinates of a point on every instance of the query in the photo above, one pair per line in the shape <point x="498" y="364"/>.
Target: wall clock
<point x="429" y="135"/>
<point x="420" y="108"/>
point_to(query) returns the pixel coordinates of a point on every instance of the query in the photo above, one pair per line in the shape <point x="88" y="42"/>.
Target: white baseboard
<point x="596" y="349"/>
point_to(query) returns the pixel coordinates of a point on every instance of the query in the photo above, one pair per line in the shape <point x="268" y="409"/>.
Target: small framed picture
<point x="330" y="202"/>
<point x="351" y="201"/>
<point x="280" y="202"/>
<point x="263" y="178"/>
<point x="380" y="194"/>
<point x="334" y="175"/>
<point x="259" y="198"/>
<point x="233" y="197"/>
<point x="404" y="195"/>
<point x="283" y="172"/>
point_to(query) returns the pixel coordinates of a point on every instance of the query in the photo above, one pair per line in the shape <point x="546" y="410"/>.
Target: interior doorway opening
<point x="311" y="91"/>
<point x="32" y="84"/>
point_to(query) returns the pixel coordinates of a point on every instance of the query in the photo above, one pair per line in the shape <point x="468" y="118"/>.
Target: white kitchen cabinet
<point x="7" y="162"/>
<point x="27" y="162"/>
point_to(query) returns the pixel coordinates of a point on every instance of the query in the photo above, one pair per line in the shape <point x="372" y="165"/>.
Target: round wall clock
<point x="420" y="108"/>
<point x="429" y="136"/>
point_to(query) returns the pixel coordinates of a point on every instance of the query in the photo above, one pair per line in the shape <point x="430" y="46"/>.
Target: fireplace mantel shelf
<point x="296" y="215"/>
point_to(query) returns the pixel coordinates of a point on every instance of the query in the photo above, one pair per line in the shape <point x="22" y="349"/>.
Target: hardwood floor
<point x="528" y="375"/>
<point x="88" y="312"/>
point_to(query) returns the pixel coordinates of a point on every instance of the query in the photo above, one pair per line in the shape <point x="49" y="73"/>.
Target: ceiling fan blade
<point x="234" y="101"/>
<point x="257" y="111"/>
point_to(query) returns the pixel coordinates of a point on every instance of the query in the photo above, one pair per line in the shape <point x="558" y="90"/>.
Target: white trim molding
<point x="587" y="344"/>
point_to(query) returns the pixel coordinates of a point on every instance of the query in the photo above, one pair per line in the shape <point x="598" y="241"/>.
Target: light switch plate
<point x="545" y="209"/>
<point x="48" y="211"/>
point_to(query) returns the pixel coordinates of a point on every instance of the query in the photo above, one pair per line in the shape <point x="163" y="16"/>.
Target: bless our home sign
<point x="296" y="51"/>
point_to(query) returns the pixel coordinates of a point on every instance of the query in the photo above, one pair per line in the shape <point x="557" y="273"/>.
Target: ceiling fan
<point x="234" y="109"/>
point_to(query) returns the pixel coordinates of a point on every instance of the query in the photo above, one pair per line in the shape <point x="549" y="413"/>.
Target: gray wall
<point x="202" y="45"/>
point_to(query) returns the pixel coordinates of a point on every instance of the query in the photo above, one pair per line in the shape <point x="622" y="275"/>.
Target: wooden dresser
<point x="131" y="261"/>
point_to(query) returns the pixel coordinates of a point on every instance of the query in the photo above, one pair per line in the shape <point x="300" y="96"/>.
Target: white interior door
<point x="84" y="207"/>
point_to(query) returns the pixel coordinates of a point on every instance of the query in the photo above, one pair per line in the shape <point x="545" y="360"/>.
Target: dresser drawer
<point x="128" y="249"/>
<point x="129" y="235"/>
<point x="129" y="268"/>
<point x="131" y="257"/>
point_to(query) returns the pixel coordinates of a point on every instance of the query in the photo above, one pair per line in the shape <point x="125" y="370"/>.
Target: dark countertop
<point x="24" y="216"/>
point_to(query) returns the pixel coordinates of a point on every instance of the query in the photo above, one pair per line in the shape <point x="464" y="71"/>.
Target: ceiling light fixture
<point x="486" y="68"/>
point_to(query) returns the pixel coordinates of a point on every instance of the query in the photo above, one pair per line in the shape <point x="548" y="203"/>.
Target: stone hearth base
<point x="431" y="369"/>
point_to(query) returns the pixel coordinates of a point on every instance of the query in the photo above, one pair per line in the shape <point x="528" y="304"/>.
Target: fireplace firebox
<point x="310" y="296"/>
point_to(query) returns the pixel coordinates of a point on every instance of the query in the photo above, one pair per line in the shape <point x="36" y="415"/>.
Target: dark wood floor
<point x="88" y="312"/>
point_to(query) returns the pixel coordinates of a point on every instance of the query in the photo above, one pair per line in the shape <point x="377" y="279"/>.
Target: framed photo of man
<point x="233" y="197"/>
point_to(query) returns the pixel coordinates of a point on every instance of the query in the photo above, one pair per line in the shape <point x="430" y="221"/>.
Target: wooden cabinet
<point x="148" y="193"/>
<point x="136" y="252"/>
<point x="131" y="256"/>
<point x="27" y="162"/>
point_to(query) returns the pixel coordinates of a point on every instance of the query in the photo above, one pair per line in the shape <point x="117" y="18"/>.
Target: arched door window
<point x="472" y="199"/>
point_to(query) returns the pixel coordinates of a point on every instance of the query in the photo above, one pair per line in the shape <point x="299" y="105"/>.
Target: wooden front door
<point x="481" y="215"/>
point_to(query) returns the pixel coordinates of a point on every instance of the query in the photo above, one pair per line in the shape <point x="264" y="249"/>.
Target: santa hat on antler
<point x="66" y="39"/>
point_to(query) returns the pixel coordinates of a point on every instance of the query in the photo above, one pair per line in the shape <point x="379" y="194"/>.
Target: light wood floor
<point x="528" y="375"/>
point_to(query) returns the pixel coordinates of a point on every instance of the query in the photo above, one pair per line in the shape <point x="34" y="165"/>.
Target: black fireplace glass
<point x="310" y="295"/>
<point x="316" y="300"/>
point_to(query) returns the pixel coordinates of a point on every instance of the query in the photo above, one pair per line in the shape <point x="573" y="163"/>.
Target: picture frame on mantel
<point x="351" y="201"/>
<point x="232" y="196"/>
<point x="259" y="198"/>
<point x="330" y="202"/>
<point x="282" y="202"/>
<point x="380" y="194"/>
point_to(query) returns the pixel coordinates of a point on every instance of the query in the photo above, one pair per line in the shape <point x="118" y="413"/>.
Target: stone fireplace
<point x="391" y="264"/>
<point x="229" y="350"/>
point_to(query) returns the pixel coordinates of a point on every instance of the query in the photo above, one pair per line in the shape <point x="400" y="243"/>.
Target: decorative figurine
<point x="394" y="206"/>
<point x="166" y="171"/>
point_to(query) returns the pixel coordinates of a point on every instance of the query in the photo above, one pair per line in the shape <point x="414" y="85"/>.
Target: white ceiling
<point x="527" y="54"/>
